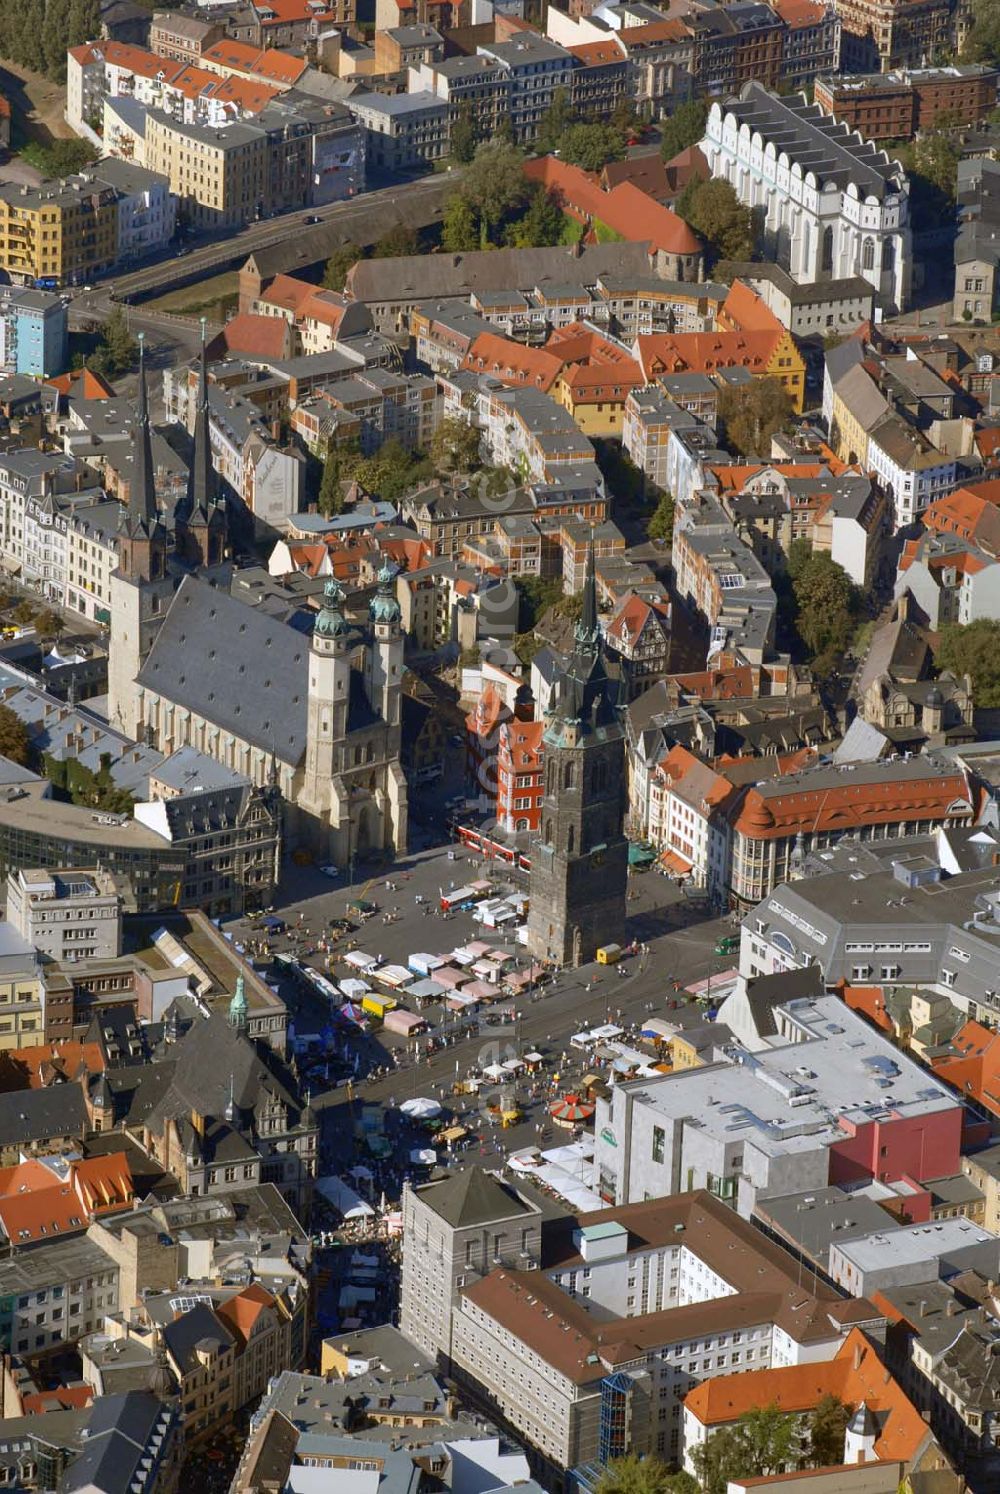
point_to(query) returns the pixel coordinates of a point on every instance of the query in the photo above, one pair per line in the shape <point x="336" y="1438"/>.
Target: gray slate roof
<point x="423" y="277"/>
<point x="236" y="667"/>
<point x="37" y="1114"/>
<point x="119" y="1451"/>
<point x="472" y="1198"/>
<point x="824" y="145"/>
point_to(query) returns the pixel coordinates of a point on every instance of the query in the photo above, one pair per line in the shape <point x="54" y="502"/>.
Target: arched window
<point x="548" y="832"/>
<point x="569" y="775"/>
<point x="889" y="255"/>
<point x="868" y="254"/>
<point x="550" y="778"/>
<point x="571" y="841"/>
<point x="826" y="257"/>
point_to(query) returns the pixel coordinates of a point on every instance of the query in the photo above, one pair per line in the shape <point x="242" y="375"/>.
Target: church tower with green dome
<point x="353" y="790"/>
<point x="387" y="654"/>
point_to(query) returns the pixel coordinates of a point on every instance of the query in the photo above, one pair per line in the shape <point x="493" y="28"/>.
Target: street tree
<point x="463" y="136"/>
<point x="592" y="146"/>
<point x="557" y="120"/>
<point x="686" y="126"/>
<point x="118" y="350"/>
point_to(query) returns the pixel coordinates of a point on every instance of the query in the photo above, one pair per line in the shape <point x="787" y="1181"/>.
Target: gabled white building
<point x="833" y="204"/>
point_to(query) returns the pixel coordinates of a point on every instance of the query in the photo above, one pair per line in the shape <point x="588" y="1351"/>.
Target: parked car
<point x="330" y="870"/>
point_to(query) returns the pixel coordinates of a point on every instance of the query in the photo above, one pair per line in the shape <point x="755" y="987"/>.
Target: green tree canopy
<point x="536" y="595"/>
<point x="463" y="136"/>
<point x="118" y="350"/>
<point x="716" y="214"/>
<point x="331" y="498"/>
<point x="974" y="649"/>
<point x="686" y="126"/>
<point x="455" y="446"/>
<point x="648" y="1475"/>
<point x="931" y="163"/>
<point x="495" y="188"/>
<point x="557" y="120"/>
<point x="459" y="225"/>
<point x="542" y="224"/>
<point x="661" y="521"/>
<point x="13" y="736"/>
<point x="49" y="625"/>
<point x="591" y="146"/>
<point x="339" y="263"/>
<point x="828" y="606"/>
<point x="760" y="1442"/>
<point x="390" y="472"/>
<point x="751" y="413"/>
<point x="59" y="157"/>
<point x="827" y="1426"/>
<point x="397" y="242"/>
<point x="982" y="44"/>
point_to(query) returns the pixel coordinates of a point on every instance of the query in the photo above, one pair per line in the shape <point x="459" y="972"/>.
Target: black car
<point x="312" y="218"/>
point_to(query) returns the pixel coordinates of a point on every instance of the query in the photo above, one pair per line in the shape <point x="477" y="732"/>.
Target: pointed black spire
<point x="587" y="631"/>
<point x="201" y="477"/>
<point x="142" y="511"/>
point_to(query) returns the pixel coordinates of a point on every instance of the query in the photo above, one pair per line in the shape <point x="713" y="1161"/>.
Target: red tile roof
<point x="594" y="54"/>
<point x="626" y="210"/>
<point x="973" y="1066"/>
<point x="885" y="802"/>
<point x="856" y="1374"/>
<point x="256" y="336"/>
<point x="34" y="1068"/>
<point x="37" y="1204"/>
<point x="512" y="363"/>
<point x="241" y="1312"/>
<point x="704" y="352"/>
<point x="287" y="292"/>
<point x="84" y="384"/>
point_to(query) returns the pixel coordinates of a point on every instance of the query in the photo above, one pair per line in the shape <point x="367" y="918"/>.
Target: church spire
<point x="587" y="631"/>
<point x="142" y="507"/>
<point x="201" y="477"/>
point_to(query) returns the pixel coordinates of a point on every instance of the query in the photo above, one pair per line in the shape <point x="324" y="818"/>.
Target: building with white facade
<point x="67" y="915"/>
<point x="591" y="1357"/>
<point x="876" y="922"/>
<point x="147" y="209"/>
<point x="833" y="204"/>
<point x="821" y="1099"/>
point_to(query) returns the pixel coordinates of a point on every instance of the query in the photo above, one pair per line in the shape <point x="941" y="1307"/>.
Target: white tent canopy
<point x="421" y="1109"/>
<point x="343" y="1198"/>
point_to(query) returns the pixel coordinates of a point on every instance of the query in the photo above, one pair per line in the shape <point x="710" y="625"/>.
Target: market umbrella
<point x="570" y="1110"/>
<point x="421" y="1109"/>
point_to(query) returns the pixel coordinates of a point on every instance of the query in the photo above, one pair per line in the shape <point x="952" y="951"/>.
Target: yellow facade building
<point x="64" y="231"/>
